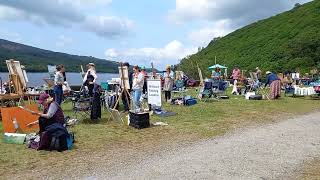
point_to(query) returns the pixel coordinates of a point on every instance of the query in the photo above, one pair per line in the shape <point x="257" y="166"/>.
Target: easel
<point x="200" y="76"/>
<point x="152" y="68"/>
<point x="17" y="82"/>
<point x="114" y="113"/>
<point x="19" y="86"/>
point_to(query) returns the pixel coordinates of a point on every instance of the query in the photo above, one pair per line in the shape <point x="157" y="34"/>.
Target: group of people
<point x="138" y="85"/>
<point x="51" y="103"/>
<point x="272" y="80"/>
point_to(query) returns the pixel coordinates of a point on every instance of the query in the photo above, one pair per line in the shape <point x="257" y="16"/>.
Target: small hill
<point x="36" y="60"/>
<point x="288" y="41"/>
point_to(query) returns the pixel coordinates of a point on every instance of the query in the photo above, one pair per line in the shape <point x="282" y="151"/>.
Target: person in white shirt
<point x="137" y="86"/>
<point x="90" y="78"/>
<point x="168" y="83"/>
<point x="58" y="83"/>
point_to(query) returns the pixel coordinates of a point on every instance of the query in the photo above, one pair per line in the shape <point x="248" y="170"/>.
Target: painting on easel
<point x="17" y="75"/>
<point x="124" y="76"/>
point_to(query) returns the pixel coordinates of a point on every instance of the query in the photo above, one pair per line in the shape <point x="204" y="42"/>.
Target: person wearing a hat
<point x="275" y="85"/>
<point x="168" y="83"/>
<point x="90" y="78"/>
<point x="52" y="113"/>
<point x="137" y="86"/>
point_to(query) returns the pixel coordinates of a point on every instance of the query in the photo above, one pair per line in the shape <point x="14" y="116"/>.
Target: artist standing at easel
<point x="138" y="81"/>
<point x="90" y="78"/>
<point x="58" y="82"/>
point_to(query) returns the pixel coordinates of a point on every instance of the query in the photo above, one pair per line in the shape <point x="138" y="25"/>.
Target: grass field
<point x="203" y="120"/>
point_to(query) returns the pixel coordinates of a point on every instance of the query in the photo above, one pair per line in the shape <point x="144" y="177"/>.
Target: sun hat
<point x="268" y="72"/>
<point x="90" y="64"/>
<point x="43" y="98"/>
<point x="168" y="67"/>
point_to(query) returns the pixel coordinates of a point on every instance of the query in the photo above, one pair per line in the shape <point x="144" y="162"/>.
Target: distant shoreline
<point x="66" y="72"/>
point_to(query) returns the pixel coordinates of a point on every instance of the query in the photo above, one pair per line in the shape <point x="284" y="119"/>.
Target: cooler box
<point x="14" y="138"/>
<point x="139" y="120"/>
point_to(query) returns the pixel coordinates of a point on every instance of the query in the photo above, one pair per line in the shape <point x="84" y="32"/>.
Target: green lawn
<point x="206" y="119"/>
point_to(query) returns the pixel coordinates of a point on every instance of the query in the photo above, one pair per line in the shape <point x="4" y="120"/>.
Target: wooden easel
<point x="113" y="111"/>
<point x="17" y="82"/>
<point x="200" y="76"/>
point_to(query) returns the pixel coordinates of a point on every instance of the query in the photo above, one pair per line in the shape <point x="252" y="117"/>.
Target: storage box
<point x="14" y="138"/>
<point x="139" y="120"/>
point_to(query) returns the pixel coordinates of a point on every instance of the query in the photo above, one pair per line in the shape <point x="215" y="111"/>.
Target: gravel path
<point x="274" y="151"/>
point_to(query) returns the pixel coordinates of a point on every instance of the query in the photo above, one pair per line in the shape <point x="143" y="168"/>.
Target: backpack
<point x="60" y="138"/>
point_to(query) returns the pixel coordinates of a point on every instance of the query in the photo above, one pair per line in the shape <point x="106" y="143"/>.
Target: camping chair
<point x="206" y="92"/>
<point x="180" y="88"/>
<point x="219" y="91"/>
<point x="289" y="89"/>
<point x="82" y="108"/>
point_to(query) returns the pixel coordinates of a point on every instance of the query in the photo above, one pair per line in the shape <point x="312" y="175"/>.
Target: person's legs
<point x="169" y="95"/>
<point x="166" y="95"/>
<point x="145" y="87"/>
<point x="125" y="100"/>
<point x="136" y="98"/>
<point x="234" y="89"/>
<point x="90" y="88"/>
<point x="58" y="94"/>
<point x="272" y="90"/>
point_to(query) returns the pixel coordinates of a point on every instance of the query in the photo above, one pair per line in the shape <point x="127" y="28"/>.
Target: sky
<point x="134" y="31"/>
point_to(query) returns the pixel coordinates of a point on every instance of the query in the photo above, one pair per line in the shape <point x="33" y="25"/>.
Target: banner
<point x="154" y="92"/>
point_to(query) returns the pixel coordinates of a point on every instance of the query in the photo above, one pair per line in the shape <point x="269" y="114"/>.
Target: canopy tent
<point x="220" y="67"/>
<point x="217" y="66"/>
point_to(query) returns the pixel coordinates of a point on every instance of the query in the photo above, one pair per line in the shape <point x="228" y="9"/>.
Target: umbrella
<point x="217" y="66"/>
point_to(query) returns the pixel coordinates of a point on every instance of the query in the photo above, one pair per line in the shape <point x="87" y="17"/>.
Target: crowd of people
<point x="53" y="114"/>
<point x="138" y="77"/>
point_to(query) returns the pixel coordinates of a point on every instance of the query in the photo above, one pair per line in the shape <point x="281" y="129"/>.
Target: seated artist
<point x="52" y="113"/>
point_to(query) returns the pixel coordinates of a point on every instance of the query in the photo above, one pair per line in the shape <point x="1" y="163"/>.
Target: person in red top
<point x="236" y="73"/>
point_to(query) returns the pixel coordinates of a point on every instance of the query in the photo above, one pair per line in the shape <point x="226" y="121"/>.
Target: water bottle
<point x="15" y="124"/>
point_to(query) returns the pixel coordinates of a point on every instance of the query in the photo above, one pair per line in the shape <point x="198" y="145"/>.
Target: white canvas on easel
<point x="51" y="70"/>
<point x="14" y="67"/>
<point x="124" y="75"/>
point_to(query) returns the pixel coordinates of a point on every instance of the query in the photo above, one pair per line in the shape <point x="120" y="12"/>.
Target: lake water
<point x="36" y="79"/>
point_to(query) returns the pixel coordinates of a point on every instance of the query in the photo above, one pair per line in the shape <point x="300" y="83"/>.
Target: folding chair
<point x="264" y="92"/>
<point x="179" y="89"/>
<point x="82" y="108"/>
<point x="219" y="91"/>
<point x="207" y="91"/>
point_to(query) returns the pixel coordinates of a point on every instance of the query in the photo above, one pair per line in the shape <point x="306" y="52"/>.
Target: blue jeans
<point x="136" y="98"/>
<point x="58" y="94"/>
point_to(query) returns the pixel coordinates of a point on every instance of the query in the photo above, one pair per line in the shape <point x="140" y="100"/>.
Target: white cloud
<point x="239" y="11"/>
<point x="169" y="54"/>
<point x="109" y="27"/>
<point x="221" y="17"/>
<point x="64" y="41"/>
<point x="84" y="3"/>
<point x="218" y="29"/>
<point x="9" y="35"/>
<point x="111" y="53"/>
<point x="66" y="13"/>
